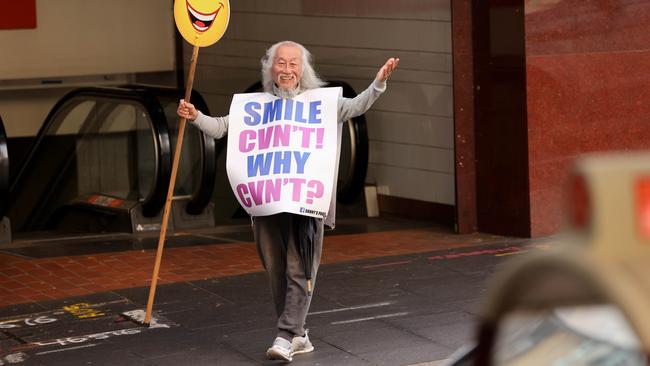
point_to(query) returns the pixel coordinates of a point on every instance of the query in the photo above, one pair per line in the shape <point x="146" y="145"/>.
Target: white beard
<point x="287" y="94"/>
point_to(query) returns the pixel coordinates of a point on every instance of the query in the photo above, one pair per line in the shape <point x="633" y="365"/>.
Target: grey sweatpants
<point x="275" y="237"/>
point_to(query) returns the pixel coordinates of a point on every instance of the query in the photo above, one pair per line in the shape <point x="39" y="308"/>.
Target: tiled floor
<point x="24" y="279"/>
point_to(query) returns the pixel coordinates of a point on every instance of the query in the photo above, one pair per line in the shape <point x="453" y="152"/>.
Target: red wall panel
<point x="17" y="14"/>
<point x="588" y="89"/>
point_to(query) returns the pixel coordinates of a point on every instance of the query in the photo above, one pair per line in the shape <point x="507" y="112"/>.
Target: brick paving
<point x="24" y="280"/>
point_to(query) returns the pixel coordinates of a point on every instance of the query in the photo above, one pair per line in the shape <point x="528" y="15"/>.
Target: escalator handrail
<point x="4" y="169"/>
<point x="209" y="150"/>
<point x="154" y="202"/>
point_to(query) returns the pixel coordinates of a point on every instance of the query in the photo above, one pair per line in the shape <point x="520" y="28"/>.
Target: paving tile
<point x="21" y="359"/>
<point x="155" y="342"/>
<point x="326" y="354"/>
<point x="240" y="290"/>
<point x="449" y="335"/>
<point x="252" y="342"/>
<point x="167" y="293"/>
<point x="99" y="355"/>
<point x="225" y="319"/>
<point x="209" y="354"/>
<point x="10" y="272"/>
<point x="319" y="303"/>
<point x="407" y="355"/>
<point x="363" y="296"/>
<point x="355" y="339"/>
<point x="90" y="298"/>
<point x="19" y="309"/>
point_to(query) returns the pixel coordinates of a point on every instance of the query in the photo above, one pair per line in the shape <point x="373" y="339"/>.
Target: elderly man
<point x="286" y="72"/>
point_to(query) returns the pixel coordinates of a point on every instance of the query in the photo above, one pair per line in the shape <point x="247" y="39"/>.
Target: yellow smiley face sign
<point x="202" y="22"/>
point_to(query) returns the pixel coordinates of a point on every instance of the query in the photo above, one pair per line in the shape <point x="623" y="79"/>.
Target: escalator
<point x="5" y="229"/>
<point x="102" y="162"/>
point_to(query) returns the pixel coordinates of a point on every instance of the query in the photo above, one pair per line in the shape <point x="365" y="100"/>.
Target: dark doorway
<point x="501" y="133"/>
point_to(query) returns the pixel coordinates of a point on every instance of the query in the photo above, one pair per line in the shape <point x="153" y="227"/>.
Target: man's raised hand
<point x="387" y="69"/>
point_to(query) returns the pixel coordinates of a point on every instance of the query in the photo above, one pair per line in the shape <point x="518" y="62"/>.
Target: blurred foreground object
<point x="567" y="308"/>
<point x="588" y="302"/>
<point x="615" y="205"/>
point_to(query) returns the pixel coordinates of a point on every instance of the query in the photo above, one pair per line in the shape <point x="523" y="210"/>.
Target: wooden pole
<point x="170" y="191"/>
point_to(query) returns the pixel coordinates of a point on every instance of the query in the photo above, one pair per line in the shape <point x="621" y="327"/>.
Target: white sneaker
<point x="301" y="344"/>
<point x="280" y="350"/>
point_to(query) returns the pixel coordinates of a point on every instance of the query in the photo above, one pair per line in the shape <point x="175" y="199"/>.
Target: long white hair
<point x="309" y="79"/>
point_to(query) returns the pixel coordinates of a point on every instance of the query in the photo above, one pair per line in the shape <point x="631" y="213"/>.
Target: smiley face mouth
<point x="201" y="21"/>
